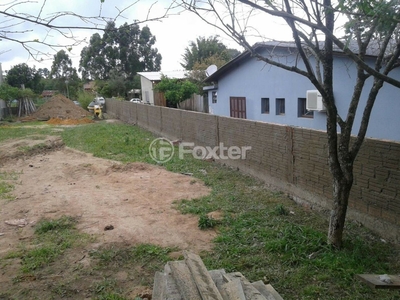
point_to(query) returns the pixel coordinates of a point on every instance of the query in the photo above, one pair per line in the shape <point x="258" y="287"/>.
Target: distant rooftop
<point x="156" y="76"/>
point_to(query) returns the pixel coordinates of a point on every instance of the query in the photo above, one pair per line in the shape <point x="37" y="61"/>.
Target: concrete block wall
<point x="376" y="189"/>
<point x="291" y="159"/>
<point x="310" y="153"/>
<point x="199" y="128"/>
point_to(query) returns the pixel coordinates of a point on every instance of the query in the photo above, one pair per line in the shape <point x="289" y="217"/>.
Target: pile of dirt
<point x="58" y="121"/>
<point x="60" y="107"/>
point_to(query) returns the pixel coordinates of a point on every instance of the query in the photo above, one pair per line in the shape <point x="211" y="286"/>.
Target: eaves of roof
<point x="156" y="76"/>
<point x="237" y="61"/>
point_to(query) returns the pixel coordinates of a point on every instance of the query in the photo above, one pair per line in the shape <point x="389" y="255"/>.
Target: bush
<point x="84" y="98"/>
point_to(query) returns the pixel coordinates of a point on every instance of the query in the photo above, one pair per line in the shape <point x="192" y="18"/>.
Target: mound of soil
<point x="60" y="107"/>
<point x="58" y="121"/>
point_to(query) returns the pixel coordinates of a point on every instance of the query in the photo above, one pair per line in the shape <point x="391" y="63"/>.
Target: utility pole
<point x="1" y="75"/>
<point x="66" y="83"/>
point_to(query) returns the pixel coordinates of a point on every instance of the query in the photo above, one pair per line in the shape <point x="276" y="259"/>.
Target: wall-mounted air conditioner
<point x="314" y="101"/>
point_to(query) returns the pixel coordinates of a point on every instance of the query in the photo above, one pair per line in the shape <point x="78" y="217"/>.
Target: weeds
<point x="63" y="224"/>
<point x="9" y="175"/>
<point x="52" y="238"/>
<point x="19" y="130"/>
<point x="5" y="186"/>
<point x="148" y="255"/>
<point x="36" y="147"/>
<point x="5" y="190"/>
<point x="206" y="222"/>
<point x="280" y="210"/>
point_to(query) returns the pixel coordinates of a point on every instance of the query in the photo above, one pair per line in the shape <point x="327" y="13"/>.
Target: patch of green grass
<point x="35" y="147"/>
<point x="149" y="256"/>
<point x="281" y="210"/>
<point x="5" y="189"/>
<point x="7" y="184"/>
<point x="62" y="290"/>
<point x="258" y="236"/>
<point x="21" y="130"/>
<point x="106" y="290"/>
<point x="12" y="175"/>
<point x="113" y="141"/>
<point x="52" y="238"/>
<point x="206" y="222"/>
<point x="110" y="296"/>
<point x="63" y="224"/>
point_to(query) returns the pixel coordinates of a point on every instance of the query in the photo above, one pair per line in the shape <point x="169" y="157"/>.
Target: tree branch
<point x="343" y="47"/>
<point x="15" y="18"/>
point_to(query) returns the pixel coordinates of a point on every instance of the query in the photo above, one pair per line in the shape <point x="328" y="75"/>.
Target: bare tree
<point x="364" y="25"/>
<point x="41" y="30"/>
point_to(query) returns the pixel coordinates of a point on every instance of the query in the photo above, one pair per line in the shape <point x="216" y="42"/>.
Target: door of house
<point x="238" y="107"/>
<point x="205" y="103"/>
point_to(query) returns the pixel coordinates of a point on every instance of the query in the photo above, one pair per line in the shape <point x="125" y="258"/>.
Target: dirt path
<point x="136" y="199"/>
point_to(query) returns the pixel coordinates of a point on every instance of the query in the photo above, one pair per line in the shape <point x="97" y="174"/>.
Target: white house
<point x="2" y="108"/>
<point x="149" y="79"/>
<point x="248" y="88"/>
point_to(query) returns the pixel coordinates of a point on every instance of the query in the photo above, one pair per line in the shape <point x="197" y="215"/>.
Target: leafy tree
<point x="198" y="73"/>
<point x="127" y="49"/>
<point x="175" y="90"/>
<point x="84" y="98"/>
<point x="23" y="74"/>
<point x="43" y="72"/>
<point x="65" y="77"/>
<point x="205" y="48"/>
<point x="62" y="66"/>
<point x="369" y="24"/>
<point x="92" y="63"/>
<point x="9" y="93"/>
<point x="116" y="85"/>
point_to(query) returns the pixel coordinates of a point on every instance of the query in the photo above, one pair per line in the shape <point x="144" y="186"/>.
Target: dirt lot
<point x="136" y="199"/>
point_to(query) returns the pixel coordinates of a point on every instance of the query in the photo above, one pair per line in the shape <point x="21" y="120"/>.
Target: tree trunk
<point x="341" y="193"/>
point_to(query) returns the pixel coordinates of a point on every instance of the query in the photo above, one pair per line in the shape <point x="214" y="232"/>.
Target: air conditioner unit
<point x="314" y="101"/>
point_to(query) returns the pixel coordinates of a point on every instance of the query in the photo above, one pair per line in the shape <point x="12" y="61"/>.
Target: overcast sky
<point x="173" y="33"/>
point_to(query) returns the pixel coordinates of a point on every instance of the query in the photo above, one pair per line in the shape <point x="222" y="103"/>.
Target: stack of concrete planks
<point x="189" y="279"/>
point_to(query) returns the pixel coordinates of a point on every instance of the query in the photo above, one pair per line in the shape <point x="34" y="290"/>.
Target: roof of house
<point x="89" y="85"/>
<point x="373" y="50"/>
<point x="48" y="93"/>
<point x="156" y="76"/>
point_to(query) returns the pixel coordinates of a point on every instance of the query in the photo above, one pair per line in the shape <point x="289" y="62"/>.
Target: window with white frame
<point x="214" y="97"/>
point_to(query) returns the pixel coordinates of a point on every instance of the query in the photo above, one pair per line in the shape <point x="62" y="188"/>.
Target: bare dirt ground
<point x="136" y="199"/>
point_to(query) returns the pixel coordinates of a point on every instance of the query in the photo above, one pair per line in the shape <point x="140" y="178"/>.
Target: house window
<point x="280" y="106"/>
<point x="214" y="97"/>
<point x="265" y="105"/>
<point x="302" y="111"/>
<point x="238" y="107"/>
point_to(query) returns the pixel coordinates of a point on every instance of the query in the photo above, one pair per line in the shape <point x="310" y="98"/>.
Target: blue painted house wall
<point x="254" y="79"/>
